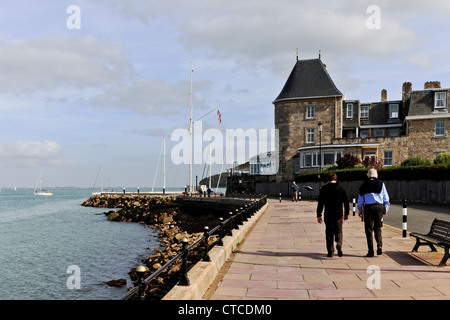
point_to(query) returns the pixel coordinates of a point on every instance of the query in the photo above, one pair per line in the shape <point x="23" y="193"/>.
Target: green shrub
<point x="415" y="161"/>
<point x="443" y="159"/>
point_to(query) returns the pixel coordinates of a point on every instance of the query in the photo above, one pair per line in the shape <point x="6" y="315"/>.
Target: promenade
<point x="284" y="257"/>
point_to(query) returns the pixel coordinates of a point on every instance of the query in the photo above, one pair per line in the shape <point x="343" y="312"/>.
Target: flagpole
<point x="190" y="135"/>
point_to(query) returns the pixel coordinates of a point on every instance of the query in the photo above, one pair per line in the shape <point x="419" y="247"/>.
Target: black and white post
<point x="354" y="203"/>
<point x="405" y="218"/>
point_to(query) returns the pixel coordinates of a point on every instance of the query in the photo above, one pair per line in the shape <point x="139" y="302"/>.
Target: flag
<point x="219" y="116"/>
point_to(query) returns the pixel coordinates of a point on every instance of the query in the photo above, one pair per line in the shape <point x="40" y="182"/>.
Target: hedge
<point x="431" y="172"/>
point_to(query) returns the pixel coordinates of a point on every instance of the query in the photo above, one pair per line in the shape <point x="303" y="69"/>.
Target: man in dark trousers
<point x="374" y="199"/>
<point x="334" y="198"/>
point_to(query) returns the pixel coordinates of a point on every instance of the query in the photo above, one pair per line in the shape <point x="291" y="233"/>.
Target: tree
<point x="348" y="161"/>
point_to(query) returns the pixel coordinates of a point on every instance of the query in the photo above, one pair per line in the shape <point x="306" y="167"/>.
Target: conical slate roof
<point x="308" y="79"/>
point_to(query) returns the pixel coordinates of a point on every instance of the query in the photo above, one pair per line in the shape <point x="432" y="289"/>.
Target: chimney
<point x="406" y="91"/>
<point x="383" y="95"/>
<point x="432" y="85"/>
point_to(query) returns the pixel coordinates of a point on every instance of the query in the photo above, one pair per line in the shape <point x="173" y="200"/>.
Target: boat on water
<point x="40" y="191"/>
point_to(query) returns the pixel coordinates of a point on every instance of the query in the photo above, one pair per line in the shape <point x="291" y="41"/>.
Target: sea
<point x="53" y="248"/>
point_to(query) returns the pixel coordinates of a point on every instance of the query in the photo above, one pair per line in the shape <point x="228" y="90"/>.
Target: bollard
<point x="280" y="196"/>
<point x="354" y="205"/>
<point x="299" y="196"/>
<point x="123" y="190"/>
<point x="405" y="218"/>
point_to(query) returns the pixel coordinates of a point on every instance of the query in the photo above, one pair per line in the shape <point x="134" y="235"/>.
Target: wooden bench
<point x="439" y="235"/>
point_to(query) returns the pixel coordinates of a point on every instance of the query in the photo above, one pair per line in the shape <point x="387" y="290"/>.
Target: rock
<point x="117" y="283"/>
<point x="113" y="216"/>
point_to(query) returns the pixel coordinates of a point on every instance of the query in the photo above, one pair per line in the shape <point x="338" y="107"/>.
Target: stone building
<point x="317" y="125"/>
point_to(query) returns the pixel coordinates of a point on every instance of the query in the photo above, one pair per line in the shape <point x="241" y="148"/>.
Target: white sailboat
<point x="100" y="172"/>
<point x="41" y="192"/>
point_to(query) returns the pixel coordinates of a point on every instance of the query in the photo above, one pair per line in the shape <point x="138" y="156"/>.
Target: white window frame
<point x="364" y="112"/>
<point x="310" y="135"/>
<point x="349" y="110"/>
<point x="310" y="112"/>
<point x="388" y="161"/>
<point x="440" y="102"/>
<point x="439" y="128"/>
<point x="394" y="111"/>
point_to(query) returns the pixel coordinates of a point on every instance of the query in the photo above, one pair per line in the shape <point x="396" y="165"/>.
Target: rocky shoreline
<point x="166" y="216"/>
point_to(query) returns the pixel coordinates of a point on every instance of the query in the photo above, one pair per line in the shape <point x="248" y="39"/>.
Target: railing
<point x="224" y="228"/>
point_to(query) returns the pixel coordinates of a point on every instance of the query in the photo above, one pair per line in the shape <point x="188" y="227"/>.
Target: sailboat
<point x="41" y="192"/>
<point x="100" y="172"/>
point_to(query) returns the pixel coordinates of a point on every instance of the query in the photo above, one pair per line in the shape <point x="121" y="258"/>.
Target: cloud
<point x="151" y="96"/>
<point x="31" y="153"/>
<point x="51" y="62"/>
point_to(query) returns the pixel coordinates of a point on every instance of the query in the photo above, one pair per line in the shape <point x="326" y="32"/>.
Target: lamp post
<point x="320" y="152"/>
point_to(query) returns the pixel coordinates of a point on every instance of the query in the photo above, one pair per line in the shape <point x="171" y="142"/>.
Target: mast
<point x="164" y="167"/>
<point x="190" y="135"/>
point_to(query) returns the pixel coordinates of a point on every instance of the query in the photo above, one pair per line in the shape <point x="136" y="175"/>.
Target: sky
<point x="85" y="84"/>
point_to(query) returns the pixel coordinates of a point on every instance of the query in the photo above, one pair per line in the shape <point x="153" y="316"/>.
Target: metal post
<point x="354" y="205"/>
<point x="405" y="218"/>
<point x="184" y="280"/>
<point x="230" y="225"/>
<point x="206" y="235"/>
<point x="280" y="196"/>
<point x="220" y="241"/>
<point x="299" y="196"/>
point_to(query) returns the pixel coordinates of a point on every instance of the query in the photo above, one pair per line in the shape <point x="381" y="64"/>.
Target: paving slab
<point x="284" y="257"/>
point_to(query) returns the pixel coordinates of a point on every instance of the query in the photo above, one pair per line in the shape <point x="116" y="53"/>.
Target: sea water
<point x="53" y="248"/>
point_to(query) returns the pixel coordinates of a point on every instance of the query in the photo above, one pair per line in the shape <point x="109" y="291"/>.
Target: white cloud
<point x="44" y="64"/>
<point x="31" y="153"/>
<point x="150" y="96"/>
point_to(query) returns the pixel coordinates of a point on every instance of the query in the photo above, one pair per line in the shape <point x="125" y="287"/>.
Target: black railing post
<point x="230" y="224"/>
<point x="220" y="242"/>
<point x="184" y="280"/>
<point x="239" y="214"/>
<point x="140" y="272"/>
<point x="206" y="235"/>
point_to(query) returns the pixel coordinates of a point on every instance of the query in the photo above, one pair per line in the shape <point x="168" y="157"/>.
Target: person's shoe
<point x="339" y="250"/>
<point x="379" y="251"/>
<point x="330" y="254"/>
<point x="369" y="254"/>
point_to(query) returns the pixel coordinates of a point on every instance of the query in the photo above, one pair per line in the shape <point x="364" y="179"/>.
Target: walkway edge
<point x="203" y="274"/>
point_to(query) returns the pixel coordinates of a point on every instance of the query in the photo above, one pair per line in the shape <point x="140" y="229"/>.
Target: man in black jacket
<point x="333" y="197"/>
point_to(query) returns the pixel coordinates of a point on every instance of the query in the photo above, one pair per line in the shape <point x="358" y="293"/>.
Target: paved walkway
<point x="284" y="257"/>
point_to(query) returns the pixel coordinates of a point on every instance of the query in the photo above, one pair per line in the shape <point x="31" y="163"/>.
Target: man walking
<point x="373" y="202"/>
<point x="334" y="198"/>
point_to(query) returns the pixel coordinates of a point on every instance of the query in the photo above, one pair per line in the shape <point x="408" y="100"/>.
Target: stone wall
<point x="422" y="141"/>
<point x="292" y="122"/>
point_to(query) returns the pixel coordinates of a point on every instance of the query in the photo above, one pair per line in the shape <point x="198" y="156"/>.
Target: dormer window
<point x="393" y="111"/>
<point x="364" y="112"/>
<point x="440" y="100"/>
<point x="349" y="110"/>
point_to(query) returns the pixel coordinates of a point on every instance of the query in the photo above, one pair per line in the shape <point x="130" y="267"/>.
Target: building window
<point x="364" y="112"/>
<point x="349" y="110"/>
<point x="364" y="133"/>
<point x="388" y="158"/>
<point x="310" y="112"/>
<point x="296" y="165"/>
<point x="379" y="132"/>
<point x="440" y="100"/>
<point x="313" y="159"/>
<point x="370" y="154"/>
<point x="439" y="128"/>
<point x="310" y="135"/>
<point x="393" y="111"/>
<point x="394" y="132"/>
